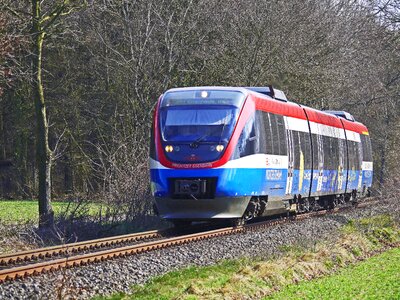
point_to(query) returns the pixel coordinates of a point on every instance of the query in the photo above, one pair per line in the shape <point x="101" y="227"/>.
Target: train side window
<point x="248" y="140"/>
<point x="260" y="127"/>
<point x="359" y="155"/>
<point x="354" y="155"/>
<point x="306" y="148"/>
<point x="330" y="152"/>
<point x="350" y="150"/>
<point x="366" y="148"/>
<point x="296" y="149"/>
<point x="275" y="134"/>
<point x="269" y="140"/>
<point x="282" y="135"/>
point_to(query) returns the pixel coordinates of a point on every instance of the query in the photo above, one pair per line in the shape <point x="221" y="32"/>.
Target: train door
<point x="320" y="162"/>
<point x="342" y="157"/>
<point x="360" y="174"/>
<point x="289" y="182"/>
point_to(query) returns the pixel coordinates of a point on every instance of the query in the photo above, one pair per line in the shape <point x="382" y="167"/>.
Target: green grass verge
<point x="376" y="278"/>
<point x="248" y="279"/>
<point x="24" y="211"/>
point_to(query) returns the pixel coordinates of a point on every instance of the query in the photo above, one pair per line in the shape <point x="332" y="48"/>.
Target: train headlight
<point x="169" y="148"/>
<point x="219" y="148"/>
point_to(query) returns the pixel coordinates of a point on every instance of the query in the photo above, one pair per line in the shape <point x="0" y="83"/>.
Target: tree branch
<point x="17" y="13"/>
<point x="62" y="10"/>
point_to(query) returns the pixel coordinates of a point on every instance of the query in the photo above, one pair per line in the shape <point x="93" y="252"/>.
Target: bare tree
<point x="41" y="24"/>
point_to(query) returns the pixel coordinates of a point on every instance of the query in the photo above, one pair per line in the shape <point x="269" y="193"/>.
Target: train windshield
<point x="199" y="115"/>
<point x="203" y="124"/>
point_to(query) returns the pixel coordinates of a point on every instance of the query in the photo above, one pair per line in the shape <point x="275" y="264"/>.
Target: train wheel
<point x="335" y="202"/>
<point x="237" y="222"/>
<point x="306" y="205"/>
<point x="252" y="209"/>
<point x="313" y="204"/>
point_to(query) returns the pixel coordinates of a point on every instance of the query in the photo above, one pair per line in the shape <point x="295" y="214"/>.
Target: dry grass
<point x="249" y="279"/>
<point x="263" y="278"/>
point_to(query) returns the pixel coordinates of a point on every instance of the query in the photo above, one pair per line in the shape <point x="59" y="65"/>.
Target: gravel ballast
<point x="119" y="274"/>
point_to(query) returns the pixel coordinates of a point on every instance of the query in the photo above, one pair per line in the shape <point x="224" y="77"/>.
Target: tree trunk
<point x="43" y="152"/>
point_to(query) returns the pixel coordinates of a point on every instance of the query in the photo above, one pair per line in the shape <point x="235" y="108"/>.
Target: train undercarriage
<point x="260" y="206"/>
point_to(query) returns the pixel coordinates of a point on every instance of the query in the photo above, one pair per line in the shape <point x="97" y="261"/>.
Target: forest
<point x="79" y="81"/>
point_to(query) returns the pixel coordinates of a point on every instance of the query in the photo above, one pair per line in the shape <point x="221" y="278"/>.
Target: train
<point x="238" y="153"/>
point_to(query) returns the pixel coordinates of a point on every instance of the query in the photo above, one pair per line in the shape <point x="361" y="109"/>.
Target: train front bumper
<point x="227" y="207"/>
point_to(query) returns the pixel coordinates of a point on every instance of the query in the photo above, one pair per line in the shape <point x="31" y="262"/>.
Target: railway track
<point x="72" y="255"/>
<point x="74" y="248"/>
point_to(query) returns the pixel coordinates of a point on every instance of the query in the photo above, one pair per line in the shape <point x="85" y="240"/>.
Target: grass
<point x="376" y="278"/>
<point x="295" y="267"/>
<point x="25" y="211"/>
<point x="186" y="283"/>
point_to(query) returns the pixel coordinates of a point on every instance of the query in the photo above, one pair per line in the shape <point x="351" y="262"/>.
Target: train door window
<point x="321" y="157"/>
<point x="315" y="151"/>
<point x="306" y="148"/>
<point x="350" y="148"/>
<point x="342" y="153"/>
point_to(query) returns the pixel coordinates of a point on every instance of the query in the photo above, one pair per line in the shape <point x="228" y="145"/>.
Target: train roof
<point x="269" y="91"/>
<point x="274" y="101"/>
<point x="216" y="88"/>
<point x="265" y="90"/>
<point x="341" y="113"/>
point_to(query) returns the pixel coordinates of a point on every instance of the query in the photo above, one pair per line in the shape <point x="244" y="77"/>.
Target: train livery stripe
<point x="255" y="161"/>
<point x="353" y="136"/>
<point x="258" y="161"/>
<point x="297" y="124"/>
<point x="321" y="129"/>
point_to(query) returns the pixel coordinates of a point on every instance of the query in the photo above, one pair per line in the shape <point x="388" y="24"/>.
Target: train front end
<point x="192" y="140"/>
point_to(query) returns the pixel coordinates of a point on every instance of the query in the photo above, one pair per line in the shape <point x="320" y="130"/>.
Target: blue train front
<point x="195" y="166"/>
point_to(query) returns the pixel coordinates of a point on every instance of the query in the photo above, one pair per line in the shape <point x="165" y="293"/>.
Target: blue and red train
<point x="238" y="153"/>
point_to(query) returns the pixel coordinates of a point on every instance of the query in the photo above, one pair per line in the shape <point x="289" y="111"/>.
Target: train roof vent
<point x="269" y="91"/>
<point x="342" y="114"/>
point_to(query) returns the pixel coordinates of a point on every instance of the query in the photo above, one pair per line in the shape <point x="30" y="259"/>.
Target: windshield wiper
<point x="195" y="144"/>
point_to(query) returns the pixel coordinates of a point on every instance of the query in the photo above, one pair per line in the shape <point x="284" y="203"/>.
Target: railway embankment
<point x="308" y="248"/>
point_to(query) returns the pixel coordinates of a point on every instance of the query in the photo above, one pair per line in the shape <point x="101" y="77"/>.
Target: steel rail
<point x="83" y="259"/>
<point x="66" y="249"/>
